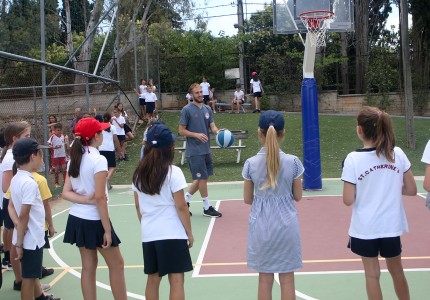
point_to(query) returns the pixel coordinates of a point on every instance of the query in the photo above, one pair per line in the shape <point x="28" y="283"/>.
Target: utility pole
<point x="241" y="29"/>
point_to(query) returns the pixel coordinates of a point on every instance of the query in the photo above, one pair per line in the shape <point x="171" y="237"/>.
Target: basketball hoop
<point x="317" y="23"/>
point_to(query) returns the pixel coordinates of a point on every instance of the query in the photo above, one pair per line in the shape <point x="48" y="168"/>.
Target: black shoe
<point x="126" y="158"/>
<point x="191" y="214"/>
<point x="211" y="212"/>
<point x="47" y="272"/>
<point x="52" y="297"/>
<point x="259" y="111"/>
<point x="17" y="285"/>
<point x="254" y="111"/>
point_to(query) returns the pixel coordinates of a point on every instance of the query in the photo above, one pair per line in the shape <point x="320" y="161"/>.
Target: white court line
<point x="298" y="294"/>
<point x="202" y="252"/>
<point x="75" y="273"/>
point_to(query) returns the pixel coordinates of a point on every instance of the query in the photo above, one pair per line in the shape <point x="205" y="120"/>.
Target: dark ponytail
<point x="76" y="152"/>
<point x="377" y="127"/>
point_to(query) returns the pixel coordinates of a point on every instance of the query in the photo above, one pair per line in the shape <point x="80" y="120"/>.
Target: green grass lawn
<point x="337" y="134"/>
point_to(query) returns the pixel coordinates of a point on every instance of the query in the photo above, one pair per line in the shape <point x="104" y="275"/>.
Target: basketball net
<point x="317" y="22"/>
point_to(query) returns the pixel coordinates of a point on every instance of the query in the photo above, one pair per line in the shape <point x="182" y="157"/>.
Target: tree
<point x="420" y="10"/>
<point x="144" y="13"/>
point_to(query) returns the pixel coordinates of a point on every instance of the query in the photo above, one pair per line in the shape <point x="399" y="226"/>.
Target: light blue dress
<point x="273" y="230"/>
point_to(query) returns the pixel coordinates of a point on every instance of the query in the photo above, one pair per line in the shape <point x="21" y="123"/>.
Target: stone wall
<point x="329" y="102"/>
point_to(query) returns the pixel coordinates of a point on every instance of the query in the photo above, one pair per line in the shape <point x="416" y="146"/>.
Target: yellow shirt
<point x="44" y="190"/>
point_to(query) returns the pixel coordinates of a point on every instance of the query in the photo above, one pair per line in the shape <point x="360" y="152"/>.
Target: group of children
<point x="26" y="213"/>
<point x="256" y="90"/>
<point x="147" y="99"/>
<point x="272" y="183"/>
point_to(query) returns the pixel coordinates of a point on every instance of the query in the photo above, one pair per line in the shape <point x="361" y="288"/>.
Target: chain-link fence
<point x="27" y="99"/>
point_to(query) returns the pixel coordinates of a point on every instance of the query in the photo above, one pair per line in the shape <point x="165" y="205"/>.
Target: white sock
<point x="188" y="197"/>
<point x="206" y="203"/>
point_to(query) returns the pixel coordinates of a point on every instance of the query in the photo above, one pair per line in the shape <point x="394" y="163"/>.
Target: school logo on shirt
<point x="207" y="115"/>
<point x="199" y="175"/>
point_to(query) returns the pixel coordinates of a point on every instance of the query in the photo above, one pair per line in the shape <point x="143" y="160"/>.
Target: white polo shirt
<point x="255" y="86"/>
<point x="55" y="141"/>
<point x="142" y="91"/>
<point x="108" y="144"/>
<point x="7" y="165"/>
<point x="24" y="190"/>
<point x="121" y="120"/>
<point x="91" y="164"/>
<point x="378" y="210"/>
<point x="238" y="95"/>
<point x="160" y="220"/>
<point x="150" y="97"/>
<point x="426" y="154"/>
<point x="205" y="88"/>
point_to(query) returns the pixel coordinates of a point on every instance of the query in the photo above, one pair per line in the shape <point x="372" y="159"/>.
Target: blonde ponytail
<point x="272" y="158"/>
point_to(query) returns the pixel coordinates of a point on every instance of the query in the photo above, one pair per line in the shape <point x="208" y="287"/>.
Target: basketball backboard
<point x="286" y="15"/>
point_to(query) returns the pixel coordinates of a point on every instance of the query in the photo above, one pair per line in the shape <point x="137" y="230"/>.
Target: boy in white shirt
<point x="238" y="99"/>
<point x="205" y="85"/>
<point x="118" y="121"/>
<point x="151" y="103"/>
<point x="29" y="236"/>
<point x="57" y="142"/>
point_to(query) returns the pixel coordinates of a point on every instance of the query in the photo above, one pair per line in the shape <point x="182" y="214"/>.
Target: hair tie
<point x="379" y="113"/>
<point x="271" y="124"/>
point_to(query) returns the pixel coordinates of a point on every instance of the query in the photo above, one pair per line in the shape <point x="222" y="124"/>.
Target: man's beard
<point x="198" y="100"/>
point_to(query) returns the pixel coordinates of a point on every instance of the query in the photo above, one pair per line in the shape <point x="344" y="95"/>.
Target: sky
<point x="222" y="14"/>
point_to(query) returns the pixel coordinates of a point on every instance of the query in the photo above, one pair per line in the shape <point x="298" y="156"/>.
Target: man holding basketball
<point x="195" y="121"/>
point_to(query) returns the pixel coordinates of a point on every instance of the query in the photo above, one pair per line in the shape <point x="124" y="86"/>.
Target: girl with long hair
<point x="375" y="178"/>
<point x="158" y="187"/>
<point x="272" y="184"/>
<point x="13" y="132"/>
<point x="108" y="146"/>
<point x="256" y="90"/>
<point x="88" y="225"/>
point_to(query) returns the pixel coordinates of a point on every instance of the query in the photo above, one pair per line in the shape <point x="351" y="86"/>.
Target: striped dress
<point x="273" y="231"/>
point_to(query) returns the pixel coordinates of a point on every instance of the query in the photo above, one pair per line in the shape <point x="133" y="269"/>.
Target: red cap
<point x="87" y="128"/>
<point x="254" y="73"/>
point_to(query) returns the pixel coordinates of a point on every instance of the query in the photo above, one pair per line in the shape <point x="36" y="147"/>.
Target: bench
<point x="239" y="136"/>
<point x="222" y="104"/>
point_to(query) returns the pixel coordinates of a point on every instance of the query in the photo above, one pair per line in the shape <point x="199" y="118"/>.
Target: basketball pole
<point x="312" y="178"/>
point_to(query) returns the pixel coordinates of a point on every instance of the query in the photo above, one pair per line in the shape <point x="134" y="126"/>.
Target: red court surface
<point x="324" y="223"/>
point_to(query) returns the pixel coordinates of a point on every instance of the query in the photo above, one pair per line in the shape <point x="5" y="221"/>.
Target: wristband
<point x="18" y="246"/>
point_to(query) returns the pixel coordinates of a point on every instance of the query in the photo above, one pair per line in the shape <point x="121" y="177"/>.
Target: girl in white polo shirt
<point x="375" y="178"/>
<point x="88" y="225"/>
<point x="158" y="187"/>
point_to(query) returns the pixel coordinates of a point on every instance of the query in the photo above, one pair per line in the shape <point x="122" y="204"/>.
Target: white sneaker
<point x="45" y="287"/>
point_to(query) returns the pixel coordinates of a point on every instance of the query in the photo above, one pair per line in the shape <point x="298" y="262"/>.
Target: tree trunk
<point x="361" y="51"/>
<point x="83" y="60"/>
<point x="344" y="65"/>
<point x="407" y="77"/>
<point x="69" y="34"/>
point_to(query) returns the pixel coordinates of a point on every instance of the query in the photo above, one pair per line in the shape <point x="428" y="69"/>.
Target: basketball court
<point x="330" y="271"/>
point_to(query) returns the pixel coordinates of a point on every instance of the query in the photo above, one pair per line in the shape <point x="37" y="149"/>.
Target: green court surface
<point x="225" y="283"/>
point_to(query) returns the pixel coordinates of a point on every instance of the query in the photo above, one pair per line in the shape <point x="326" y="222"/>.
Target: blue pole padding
<point x="312" y="178"/>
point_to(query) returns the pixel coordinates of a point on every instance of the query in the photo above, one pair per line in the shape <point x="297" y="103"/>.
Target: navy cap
<point x="159" y="135"/>
<point x="99" y="118"/>
<point x="26" y="146"/>
<point x="271" y="117"/>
